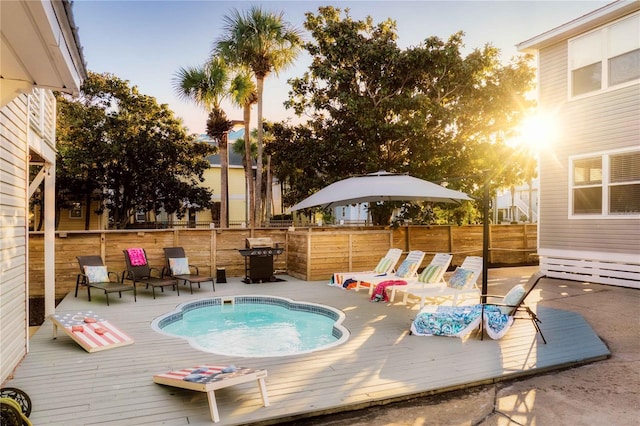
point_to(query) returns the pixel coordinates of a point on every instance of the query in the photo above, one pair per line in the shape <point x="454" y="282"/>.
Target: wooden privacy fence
<point x="311" y="254"/>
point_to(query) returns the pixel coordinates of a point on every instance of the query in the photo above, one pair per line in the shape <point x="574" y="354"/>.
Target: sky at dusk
<point x="147" y="42"/>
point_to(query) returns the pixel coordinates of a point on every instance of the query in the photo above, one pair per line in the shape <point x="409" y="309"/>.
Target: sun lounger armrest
<point x="196" y="268"/>
<point x="110" y="273"/>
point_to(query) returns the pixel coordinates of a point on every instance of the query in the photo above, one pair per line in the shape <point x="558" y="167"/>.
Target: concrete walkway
<point x="602" y="393"/>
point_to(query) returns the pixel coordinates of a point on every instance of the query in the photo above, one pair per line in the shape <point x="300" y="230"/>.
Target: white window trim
<point x="604" y="58"/>
<point x="605" y="155"/>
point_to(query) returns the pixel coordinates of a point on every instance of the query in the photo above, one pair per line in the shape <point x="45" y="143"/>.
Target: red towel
<point x="137" y="257"/>
<point x="382" y="287"/>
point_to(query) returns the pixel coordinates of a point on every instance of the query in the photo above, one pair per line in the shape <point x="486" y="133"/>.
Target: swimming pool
<point x="254" y="326"/>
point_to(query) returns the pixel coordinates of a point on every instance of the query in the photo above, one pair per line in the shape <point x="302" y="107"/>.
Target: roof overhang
<point x="580" y="25"/>
<point x="39" y="47"/>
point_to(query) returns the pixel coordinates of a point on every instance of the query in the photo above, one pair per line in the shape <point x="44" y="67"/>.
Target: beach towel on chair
<point x="137" y="257"/>
<point x="380" y="292"/>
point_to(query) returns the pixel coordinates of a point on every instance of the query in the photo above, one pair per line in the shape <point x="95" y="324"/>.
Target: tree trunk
<point x="224" y="181"/>
<point x="258" y="207"/>
<point x="87" y="218"/>
<point x="269" y="188"/>
<point x="248" y="168"/>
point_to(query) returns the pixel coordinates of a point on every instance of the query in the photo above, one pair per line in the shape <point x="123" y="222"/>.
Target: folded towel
<point x="137" y="257"/>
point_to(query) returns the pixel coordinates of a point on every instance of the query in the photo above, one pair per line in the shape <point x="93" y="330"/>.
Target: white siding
<point x="13" y="235"/>
<point x="594" y="124"/>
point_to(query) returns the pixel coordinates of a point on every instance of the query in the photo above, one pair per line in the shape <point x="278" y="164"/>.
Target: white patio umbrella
<point x="380" y="186"/>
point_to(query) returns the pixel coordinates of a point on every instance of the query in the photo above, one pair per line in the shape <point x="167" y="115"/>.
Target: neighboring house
<point x="237" y="188"/>
<point x="40" y="52"/>
<point x="521" y="205"/>
<point x="589" y="79"/>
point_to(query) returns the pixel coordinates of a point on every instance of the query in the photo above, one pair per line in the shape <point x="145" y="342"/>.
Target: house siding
<point x="13" y="235"/>
<point x="607" y="121"/>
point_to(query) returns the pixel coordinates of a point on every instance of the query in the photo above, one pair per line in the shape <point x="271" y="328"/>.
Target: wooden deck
<point x="380" y="362"/>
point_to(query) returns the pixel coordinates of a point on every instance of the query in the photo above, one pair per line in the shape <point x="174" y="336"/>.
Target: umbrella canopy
<point x="380" y="186"/>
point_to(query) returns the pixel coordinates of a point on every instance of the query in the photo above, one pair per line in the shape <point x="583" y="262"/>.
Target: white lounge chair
<point x="406" y="271"/>
<point x="386" y="265"/>
<point x="433" y="273"/>
<point x="462" y="282"/>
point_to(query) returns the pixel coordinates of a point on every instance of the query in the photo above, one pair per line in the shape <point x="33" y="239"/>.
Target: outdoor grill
<point x="258" y="260"/>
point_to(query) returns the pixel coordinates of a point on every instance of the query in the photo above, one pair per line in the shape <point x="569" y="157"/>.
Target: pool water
<point x="255" y="326"/>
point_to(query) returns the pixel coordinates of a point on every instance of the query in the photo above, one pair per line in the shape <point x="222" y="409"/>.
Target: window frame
<point x="605" y="185"/>
<point x="605" y="57"/>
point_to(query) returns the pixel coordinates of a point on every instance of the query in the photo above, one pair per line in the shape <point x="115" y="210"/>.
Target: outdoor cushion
<point x="96" y="274"/>
<point x="137" y="256"/>
<point x="382" y="266"/>
<point x="404" y="269"/>
<point x="429" y="273"/>
<point x="512" y="299"/>
<point x="179" y="266"/>
<point x="461" y="278"/>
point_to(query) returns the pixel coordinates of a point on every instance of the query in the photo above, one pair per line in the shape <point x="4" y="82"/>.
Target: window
<point x="76" y="211"/>
<point x="606" y="185"/>
<point x="607" y="57"/>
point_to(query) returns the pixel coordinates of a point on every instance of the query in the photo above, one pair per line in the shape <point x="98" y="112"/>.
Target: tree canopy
<point x="425" y="110"/>
<point x="124" y="149"/>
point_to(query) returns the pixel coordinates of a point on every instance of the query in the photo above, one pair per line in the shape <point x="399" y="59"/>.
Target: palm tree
<point x="207" y="86"/>
<point x="265" y="43"/>
<point x="243" y="92"/>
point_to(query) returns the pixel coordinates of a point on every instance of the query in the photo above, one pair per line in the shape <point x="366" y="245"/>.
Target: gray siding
<point x="13" y="234"/>
<point x="594" y="124"/>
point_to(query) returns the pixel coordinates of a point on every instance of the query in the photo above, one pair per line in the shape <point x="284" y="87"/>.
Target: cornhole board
<point x="89" y="330"/>
<point x="212" y="380"/>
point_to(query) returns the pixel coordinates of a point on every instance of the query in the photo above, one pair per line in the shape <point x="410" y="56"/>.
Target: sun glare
<point x="538" y="132"/>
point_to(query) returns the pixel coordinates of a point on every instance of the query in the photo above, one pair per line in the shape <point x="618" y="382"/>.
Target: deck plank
<point x="380" y="361"/>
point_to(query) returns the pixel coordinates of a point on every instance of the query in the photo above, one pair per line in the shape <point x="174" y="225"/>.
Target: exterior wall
<point x="13" y="234"/>
<point x="605" y="250"/>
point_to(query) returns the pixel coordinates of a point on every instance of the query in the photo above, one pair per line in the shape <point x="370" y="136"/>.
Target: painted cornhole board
<point x="213" y="379"/>
<point x="89" y="330"/>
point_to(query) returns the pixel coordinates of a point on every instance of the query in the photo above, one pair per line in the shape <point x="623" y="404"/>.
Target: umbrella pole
<point x="485" y="237"/>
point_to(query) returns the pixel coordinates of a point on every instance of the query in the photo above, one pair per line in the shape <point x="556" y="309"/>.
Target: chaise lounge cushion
<point x="404" y="270"/>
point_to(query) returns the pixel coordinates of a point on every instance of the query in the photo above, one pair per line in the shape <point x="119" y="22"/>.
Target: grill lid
<point x="259" y="242"/>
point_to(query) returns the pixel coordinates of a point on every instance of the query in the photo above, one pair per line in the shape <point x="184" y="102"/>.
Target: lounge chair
<point x="406" y="271"/>
<point x="496" y="317"/>
<point x="386" y="265"/>
<point x="179" y="268"/>
<point x="93" y="273"/>
<point x="139" y="272"/>
<point x="462" y="282"/>
<point x="499" y="316"/>
<point x="433" y="273"/>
